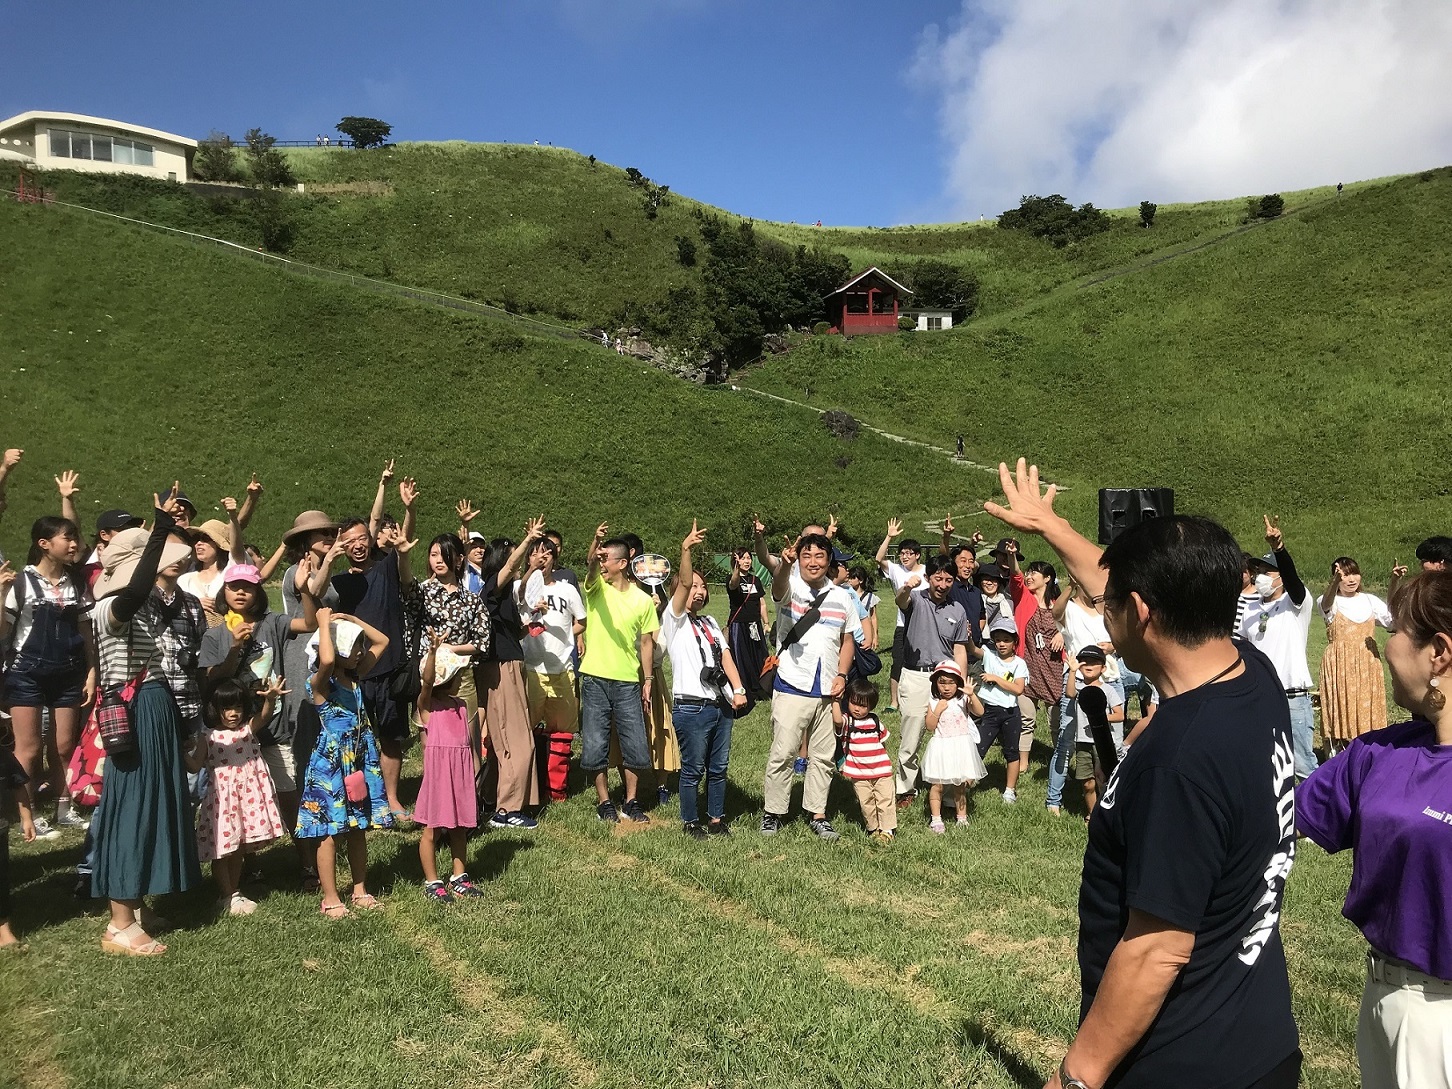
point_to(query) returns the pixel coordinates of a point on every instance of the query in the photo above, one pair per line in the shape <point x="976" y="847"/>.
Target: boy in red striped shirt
<point x="866" y="762"/>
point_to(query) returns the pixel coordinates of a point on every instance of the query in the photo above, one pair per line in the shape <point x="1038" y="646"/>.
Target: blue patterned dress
<point x="345" y="744"/>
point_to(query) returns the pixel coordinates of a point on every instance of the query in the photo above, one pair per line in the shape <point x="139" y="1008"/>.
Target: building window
<point x="65" y="144"/>
<point x="935" y="321"/>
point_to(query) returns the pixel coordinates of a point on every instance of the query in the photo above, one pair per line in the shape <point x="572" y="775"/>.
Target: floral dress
<point x="345" y="744"/>
<point x="240" y="808"/>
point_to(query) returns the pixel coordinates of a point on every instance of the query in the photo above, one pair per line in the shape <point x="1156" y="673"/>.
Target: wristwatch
<point x="738" y="691"/>
<point x="1067" y="1080"/>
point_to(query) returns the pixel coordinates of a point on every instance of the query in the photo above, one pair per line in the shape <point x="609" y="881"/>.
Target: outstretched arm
<point x="684" y="572"/>
<point x="1029" y="510"/>
<point x="375" y="516"/>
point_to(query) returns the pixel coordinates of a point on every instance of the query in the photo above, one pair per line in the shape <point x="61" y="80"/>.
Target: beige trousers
<point x="792" y="718"/>
<point x="878" y="802"/>
<point x="1404" y="1034"/>
<point x="913" y="691"/>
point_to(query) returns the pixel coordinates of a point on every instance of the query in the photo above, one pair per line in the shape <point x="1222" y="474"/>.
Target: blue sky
<point x="851" y="112"/>
<point x="781" y="110"/>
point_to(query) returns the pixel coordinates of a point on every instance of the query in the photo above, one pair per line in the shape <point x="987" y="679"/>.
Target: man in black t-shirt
<point x="1182" y="970"/>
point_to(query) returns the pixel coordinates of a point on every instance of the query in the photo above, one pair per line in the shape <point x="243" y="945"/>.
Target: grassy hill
<point x="138" y="358"/>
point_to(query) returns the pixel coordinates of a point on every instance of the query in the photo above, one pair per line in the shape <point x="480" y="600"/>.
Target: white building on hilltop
<point x="77" y="141"/>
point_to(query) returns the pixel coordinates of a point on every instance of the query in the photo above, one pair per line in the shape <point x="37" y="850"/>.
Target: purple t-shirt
<point x="1389" y="798"/>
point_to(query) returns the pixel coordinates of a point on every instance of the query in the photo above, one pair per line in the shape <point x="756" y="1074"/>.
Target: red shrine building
<point x="868" y="303"/>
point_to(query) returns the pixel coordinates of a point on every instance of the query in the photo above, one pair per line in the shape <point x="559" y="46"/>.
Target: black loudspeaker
<point x="1120" y="508"/>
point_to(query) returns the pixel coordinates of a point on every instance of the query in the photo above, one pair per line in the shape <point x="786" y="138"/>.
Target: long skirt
<point x="1353" y="686"/>
<point x="144" y="842"/>
<point x="748" y="648"/>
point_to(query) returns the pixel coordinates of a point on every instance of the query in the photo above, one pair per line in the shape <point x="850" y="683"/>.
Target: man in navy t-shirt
<point x="1182" y="970"/>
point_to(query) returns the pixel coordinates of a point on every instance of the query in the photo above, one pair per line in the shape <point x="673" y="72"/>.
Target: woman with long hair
<point x="747" y="626"/>
<point x="1040" y="645"/>
<point x="215" y="546"/>
<point x="51" y="659"/>
<point x="1353" y="686"/>
<point x="1385" y="797"/>
<point x="441" y="605"/>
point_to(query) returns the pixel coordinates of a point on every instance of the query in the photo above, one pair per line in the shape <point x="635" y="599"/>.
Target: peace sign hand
<point x="693" y="538"/>
<point x="170" y="505"/>
<point x="387" y="471"/>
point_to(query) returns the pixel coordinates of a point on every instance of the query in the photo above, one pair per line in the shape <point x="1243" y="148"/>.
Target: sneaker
<point x="633" y="812"/>
<point x="463" y="887"/>
<point x="606" y="812"/>
<point x="800" y="766"/>
<point x="823" y="828"/>
<point x="694" y="830"/>
<point x="437" y="892"/>
<point x="662" y="795"/>
<point x="770" y="824"/>
<point x="1009" y="796"/>
<point x="937" y="827"/>
<point x="717" y="828"/>
<point x="43" y="830"/>
<point x="513" y="820"/>
<point x="71" y="819"/>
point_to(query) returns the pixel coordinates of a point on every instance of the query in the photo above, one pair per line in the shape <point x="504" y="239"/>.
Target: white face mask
<point x="1265" y="586"/>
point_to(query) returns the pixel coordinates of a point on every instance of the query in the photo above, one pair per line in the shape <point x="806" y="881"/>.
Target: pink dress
<point x="241" y="804"/>
<point x="447" y="799"/>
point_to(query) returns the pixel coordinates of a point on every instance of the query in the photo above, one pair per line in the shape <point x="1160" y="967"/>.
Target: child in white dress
<point x="952" y="756"/>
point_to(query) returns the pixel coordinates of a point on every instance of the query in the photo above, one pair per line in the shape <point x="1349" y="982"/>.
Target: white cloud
<point x="1122" y="100"/>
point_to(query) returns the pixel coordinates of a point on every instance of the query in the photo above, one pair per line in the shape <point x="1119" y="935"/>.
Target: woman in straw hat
<point x="143" y="841"/>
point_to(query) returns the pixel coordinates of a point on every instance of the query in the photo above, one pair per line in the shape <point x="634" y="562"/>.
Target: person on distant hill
<point x="1278" y="625"/>
<point x="1353" y="687"/>
<point x="908" y="572"/>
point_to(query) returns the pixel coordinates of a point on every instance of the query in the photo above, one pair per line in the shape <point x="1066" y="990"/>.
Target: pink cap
<point x="242" y="572"/>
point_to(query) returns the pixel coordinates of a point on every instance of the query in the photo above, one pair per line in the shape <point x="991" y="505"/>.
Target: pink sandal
<point x="334" y="911"/>
<point x="366" y="902"/>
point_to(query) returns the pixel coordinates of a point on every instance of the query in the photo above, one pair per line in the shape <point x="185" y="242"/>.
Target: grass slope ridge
<point x="1294" y="368"/>
<point x="145" y="358"/>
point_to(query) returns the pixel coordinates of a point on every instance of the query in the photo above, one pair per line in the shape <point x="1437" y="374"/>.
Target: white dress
<point x="952" y="754"/>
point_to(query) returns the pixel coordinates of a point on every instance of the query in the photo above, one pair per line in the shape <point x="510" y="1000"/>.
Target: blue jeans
<point x="601" y="702"/>
<point x="703" y="732"/>
<point x="1303" y="734"/>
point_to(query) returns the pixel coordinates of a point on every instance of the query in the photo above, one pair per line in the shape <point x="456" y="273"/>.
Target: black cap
<point x="1093" y="652"/>
<point x="990" y="571"/>
<point x="181" y="497"/>
<point x="110" y="520"/>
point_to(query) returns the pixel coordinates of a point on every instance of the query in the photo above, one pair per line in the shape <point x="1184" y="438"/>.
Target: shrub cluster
<point x="1055" y="219"/>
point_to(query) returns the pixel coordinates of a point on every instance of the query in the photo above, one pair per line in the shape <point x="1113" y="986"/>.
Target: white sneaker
<point x="241" y="905"/>
<point x="71" y="819"/>
<point x="43" y="829"/>
<point x="1009" y="796"/>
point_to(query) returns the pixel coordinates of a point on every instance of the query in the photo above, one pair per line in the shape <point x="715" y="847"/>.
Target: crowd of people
<point x="149" y="676"/>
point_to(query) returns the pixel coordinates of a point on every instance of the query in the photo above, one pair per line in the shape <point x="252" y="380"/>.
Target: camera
<point x="713" y="676"/>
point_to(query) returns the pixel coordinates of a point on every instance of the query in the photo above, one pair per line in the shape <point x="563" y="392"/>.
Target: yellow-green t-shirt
<point x="614" y="622"/>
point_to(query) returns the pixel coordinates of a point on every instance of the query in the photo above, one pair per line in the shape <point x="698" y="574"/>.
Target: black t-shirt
<point x="744" y="600"/>
<point x="373" y="596"/>
<point x="505" y="622"/>
<point x="971" y="598"/>
<point x="1197" y="827"/>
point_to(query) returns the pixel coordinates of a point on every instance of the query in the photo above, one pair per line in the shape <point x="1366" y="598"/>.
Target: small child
<point x="342" y="791"/>
<point x="1004" y="676"/>
<point x="951" y="758"/>
<point x="1081" y="761"/>
<point x="446" y="800"/>
<point x="865" y="760"/>
<point x="240" y="809"/>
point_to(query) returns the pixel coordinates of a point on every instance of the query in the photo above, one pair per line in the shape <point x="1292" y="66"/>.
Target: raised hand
<point x="1399" y="570"/>
<point x="12" y="459"/>
<point x="273" y="688"/>
<point x="7" y="576"/>
<point x="169" y="505"/>
<point x="789" y="548"/>
<point x="693" y="538"/>
<point x="894" y="527"/>
<point x="229" y="504"/>
<point x="325" y="616"/>
<point x="408" y="491"/>
<point x="1027" y="510"/>
<point x="66" y="484"/>
<point x="534" y="528"/>
<point x="1273" y="534"/>
<point x="948" y="523"/>
<point x="387" y="472"/>
<point x="466" y="512"/>
<point x="254" y="486"/>
<point x="402" y="546"/>
<point x="831" y="526"/>
<point x="758" y="527"/>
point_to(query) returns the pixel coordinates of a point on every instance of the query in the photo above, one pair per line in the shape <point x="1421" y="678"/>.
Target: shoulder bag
<point x="799" y="629"/>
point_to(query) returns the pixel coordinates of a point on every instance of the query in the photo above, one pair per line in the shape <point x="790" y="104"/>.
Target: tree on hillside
<point x="365" y="131"/>
<point x="216" y="159"/>
<point x="945" y="287"/>
<point x="268" y="167"/>
<point x="1147" y="210"/>
<point x="1055" y="219"/>
<point x="1271" y="205"/>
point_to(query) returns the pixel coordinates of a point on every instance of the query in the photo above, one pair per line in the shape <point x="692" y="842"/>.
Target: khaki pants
<point x="1028" y="710"/>
<point x="793" y="717"/>
<point x="878" y="802"/>
<point x="1404" y="1034"/>
<point x="913" y="691"/>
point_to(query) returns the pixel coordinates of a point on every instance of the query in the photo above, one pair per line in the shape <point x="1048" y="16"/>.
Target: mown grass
<point x="1292" y="369"/>
<point x="617" y="958"/>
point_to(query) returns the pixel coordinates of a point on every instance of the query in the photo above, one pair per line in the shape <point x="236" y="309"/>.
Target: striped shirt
<point x="866" y="749"/>
<point x="163" y="638"/>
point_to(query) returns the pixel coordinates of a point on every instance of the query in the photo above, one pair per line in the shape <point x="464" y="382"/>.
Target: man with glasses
<point x="1182" y="971"/>
<point x="1278" y="623"/>
<point x="620" y="627"/>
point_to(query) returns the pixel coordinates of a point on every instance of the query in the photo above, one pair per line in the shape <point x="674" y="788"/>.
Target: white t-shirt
<point x="1081" y="627"/>
<point x="900" y="576"/>
<point x="1014" y="669"/>
<point x="813" y="658"/>
<point x="1359" y="608"/>
<point x="205" y="592"/>
<point x="1081" y="720"/>
<point x="38" y="588"/>
<point x="552" y="651"/>
<point x="684" y="646"/>
<point x="1282" y="638"/>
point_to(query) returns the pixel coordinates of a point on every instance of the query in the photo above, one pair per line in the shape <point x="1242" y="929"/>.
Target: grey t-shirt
<point x="262" y="655"/>
<point x="932" y="631"/>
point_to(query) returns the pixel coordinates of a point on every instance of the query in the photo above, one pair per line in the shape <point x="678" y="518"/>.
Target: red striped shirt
<point x="866" y="749"/>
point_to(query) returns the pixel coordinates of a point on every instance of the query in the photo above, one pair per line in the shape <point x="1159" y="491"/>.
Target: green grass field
<point x="613" y="958"/>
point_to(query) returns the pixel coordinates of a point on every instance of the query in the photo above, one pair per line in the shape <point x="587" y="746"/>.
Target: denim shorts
<point x="603" y="702"/>
<point x="44" y="686"/>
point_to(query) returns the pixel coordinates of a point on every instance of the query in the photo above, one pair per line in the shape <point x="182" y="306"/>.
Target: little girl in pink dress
<point x="240" y="809"/>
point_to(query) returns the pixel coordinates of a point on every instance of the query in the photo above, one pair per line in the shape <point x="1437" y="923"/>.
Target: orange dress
<point x="1353" y="683"/>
